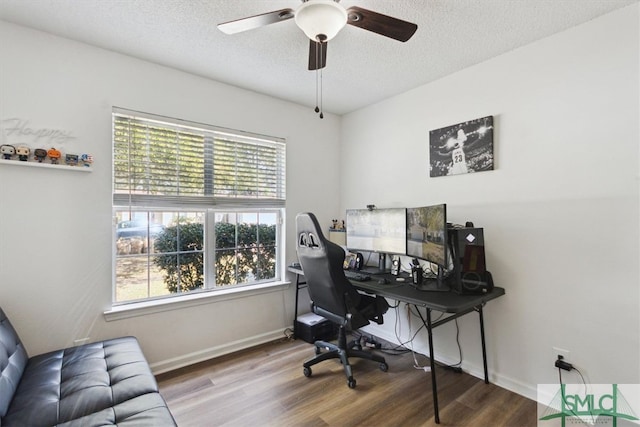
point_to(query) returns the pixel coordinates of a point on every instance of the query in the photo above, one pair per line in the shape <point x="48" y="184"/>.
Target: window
<point x="196" y="208"/>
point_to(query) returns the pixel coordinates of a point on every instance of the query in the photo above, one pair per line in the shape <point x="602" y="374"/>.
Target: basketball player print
<point x="461" y="149"/>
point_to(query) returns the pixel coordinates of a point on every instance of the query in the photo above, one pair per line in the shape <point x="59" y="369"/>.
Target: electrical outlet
<point x="557" y="351"/>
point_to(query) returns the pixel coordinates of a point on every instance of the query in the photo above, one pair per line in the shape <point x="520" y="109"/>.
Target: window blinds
<point x="161" y="164"/>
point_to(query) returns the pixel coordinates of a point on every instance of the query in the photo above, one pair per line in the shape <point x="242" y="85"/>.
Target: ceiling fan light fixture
<point x="321" y="18"/>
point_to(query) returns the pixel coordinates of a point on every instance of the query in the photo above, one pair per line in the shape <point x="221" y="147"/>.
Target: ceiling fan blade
<point x="381" y="24"/>
<point x="245" y="24"/>
<point x="317" y="55"/>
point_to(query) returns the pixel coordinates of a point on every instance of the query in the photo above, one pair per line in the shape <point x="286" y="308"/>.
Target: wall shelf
<point x="46" y="165"/>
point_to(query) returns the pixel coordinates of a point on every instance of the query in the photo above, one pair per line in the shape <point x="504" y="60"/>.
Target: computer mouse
<point x="383" y="281"/>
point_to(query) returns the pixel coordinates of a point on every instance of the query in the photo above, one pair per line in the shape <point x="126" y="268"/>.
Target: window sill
<point x="144" y="308"/>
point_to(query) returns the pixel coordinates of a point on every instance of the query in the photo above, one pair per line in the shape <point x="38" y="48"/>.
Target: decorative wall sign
<point x="463" y="148"/>
<point x="17" y="127"/>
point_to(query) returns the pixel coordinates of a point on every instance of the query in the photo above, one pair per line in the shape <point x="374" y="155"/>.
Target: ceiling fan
<point x="321" y="20"/>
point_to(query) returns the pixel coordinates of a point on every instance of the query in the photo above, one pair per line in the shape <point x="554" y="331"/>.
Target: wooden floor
<point x="265" y="386"/>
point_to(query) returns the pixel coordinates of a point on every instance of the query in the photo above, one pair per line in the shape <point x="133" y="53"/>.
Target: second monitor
<point x="427" y="233"/>
<point x="427" y="239"/>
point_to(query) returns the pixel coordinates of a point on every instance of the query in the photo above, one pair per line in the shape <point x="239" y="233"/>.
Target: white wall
<point x="55" y="225"/>
<point x="560" y="210"/>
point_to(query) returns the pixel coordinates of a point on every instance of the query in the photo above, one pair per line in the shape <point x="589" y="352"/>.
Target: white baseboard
<point x="213" y="352"/>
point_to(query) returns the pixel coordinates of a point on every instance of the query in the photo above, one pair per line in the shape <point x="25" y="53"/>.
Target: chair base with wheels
<point x="342" y="351"/>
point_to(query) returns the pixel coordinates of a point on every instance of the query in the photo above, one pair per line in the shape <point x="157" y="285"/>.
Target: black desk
<point x="447" y="302"/>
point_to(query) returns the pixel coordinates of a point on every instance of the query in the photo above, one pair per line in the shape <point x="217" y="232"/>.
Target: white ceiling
<point x="362" y="67"/>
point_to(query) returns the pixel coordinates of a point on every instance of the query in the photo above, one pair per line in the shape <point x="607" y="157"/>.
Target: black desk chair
<point x="333" y="297"/>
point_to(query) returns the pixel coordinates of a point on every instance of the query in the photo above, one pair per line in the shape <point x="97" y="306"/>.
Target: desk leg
<point x="295" y="310"/>
<point x="434" y="387"/>
<point x="484" y="347"/>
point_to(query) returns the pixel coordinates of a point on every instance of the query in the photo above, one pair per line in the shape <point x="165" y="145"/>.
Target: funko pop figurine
<point x="23" y="153"/>
<point x="39" y="154"/>
<point x="71" y="159"/>
<point x="7" y="151"/>
<point x="54" y="155"/>
<point x="86" y="159"/>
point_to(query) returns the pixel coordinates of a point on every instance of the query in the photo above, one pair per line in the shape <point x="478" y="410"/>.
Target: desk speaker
<point x="395" y="265"/>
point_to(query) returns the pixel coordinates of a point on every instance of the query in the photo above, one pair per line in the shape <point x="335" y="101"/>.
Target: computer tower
<point x="311" y="328"/>
<point x="470" y="275"/>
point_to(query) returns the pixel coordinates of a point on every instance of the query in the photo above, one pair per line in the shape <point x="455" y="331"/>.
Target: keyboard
<point x="358" y="277"/>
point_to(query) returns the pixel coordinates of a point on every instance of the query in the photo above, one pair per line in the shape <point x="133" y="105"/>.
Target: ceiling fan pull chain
<point x="317" y="110"/>
<point x="318" y="62"/>
<point x="321" y="114"/>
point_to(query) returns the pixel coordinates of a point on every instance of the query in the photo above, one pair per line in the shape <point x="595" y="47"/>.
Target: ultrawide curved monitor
<point x="427" y="233"/>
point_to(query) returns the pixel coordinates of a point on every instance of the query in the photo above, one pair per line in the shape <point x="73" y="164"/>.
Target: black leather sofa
<point x="99" y="384"/>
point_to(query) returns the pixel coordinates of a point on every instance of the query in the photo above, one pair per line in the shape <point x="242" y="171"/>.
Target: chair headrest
<point x="309" y="231"/>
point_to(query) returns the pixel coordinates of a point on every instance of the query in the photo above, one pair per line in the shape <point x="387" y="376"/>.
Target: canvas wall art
<point x="462" y="148"/>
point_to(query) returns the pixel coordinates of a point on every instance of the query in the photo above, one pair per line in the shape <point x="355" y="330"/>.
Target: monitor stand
<point x="437" y="284"/>
<point x="382" y="266"/>
<point x="432" y="285"/>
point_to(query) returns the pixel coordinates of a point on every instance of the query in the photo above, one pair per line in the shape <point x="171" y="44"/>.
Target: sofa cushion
<point x="129" y="414"/>
<point x="13" y="359"/>
<point x="101" y="383"/>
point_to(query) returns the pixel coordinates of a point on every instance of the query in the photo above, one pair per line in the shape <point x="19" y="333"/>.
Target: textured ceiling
<point x="362" y="67"/>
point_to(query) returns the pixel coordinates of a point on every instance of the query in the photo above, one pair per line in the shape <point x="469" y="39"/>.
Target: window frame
<point x="208" y="206"/>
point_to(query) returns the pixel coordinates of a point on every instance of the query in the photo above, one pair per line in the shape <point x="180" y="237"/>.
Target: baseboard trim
<point x="213" y="352"/>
